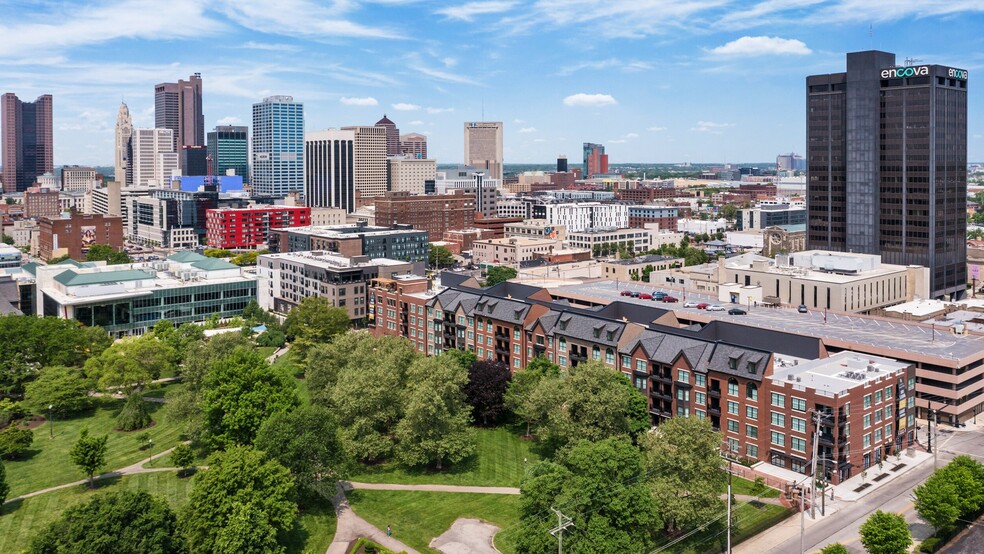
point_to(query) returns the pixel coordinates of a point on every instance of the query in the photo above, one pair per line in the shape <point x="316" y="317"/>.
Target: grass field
<point x="750" y="519"/>
<point x="498" y="461"/>
<point x="417" y="517"/>
<point x="744" y="486"/>
<point x="47" y="463"/>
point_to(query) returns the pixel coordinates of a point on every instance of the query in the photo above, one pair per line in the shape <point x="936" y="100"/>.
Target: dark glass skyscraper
<point x="887" y="165"/>
<point x="228" y="145"/>
<point x="178" y="107"/>
<point x="25" y="140"/>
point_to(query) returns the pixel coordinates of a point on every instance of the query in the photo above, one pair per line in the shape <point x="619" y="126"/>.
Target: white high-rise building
<point x="483" y="147"/>
<point x="410" y="174"/>
<point x="124" y="130"/>
<point x="582" y="216"/>
<point x="369" y="158"/>
<point x="329" y="172"/>
<point x="278" y="146"/>
<point x="154" y="159"/>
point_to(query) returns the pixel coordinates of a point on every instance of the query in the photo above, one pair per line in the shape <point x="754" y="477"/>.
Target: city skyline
<point x="654" y="83"/>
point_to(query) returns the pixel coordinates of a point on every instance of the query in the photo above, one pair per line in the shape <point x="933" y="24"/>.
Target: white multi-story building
<point x="154" y="159"/>
<point x="76" y="178"/>
<point x="588" y="215"/>
<point x="512" y="250"/>
<point x="638" y="240"/>
<point x="483" y="147"/>
<point x="278" y="146"/>
<point x="410" y="174"/>
<point x="471" y="181"/>
<point x="369" y="160"/>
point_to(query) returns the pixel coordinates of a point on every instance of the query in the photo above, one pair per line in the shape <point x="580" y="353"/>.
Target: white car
<point x="689" y="304"/>
<point x="715" y="308"/>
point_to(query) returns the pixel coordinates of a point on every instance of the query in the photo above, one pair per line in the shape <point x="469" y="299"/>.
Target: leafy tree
<point x="108" y="254"/>
<point x="601" y="486"/>
<point x="326" y="360"/>
<point x="14" y="441"/>
<point x="58" y="259"/>
<point x="464" y="358"/>
<point x="272" y="337"/>
<point x="180" y="338"/>
<point x="367" y="412"/>
<point x="240" y="393"/>
<point x="4" y="486"/>
<point x="440" y="256"/>
<point x="7" y="239"/>
<point x="682" y="455"/>
<point x="28" y="343"/>
<point x="885" y="533"/>
<point x="520" y="395"/>
<point x="183" y="457"/>
<point x="64" y="388"/>
<point x="435" y="420"/>
<point x="216" y="253"/>
<point x="486" y="388"/>
<point x="240" y="476"/>
<point x="836" y="548"/>
<point x="247" y="530"/>
<point x="10" y="411"/>
<point x="499" y="274"/>
<point x="951" y="492"/>
<point x="89" y="453"/>
<point x="124" y="522"/>
<point x="134" y="414"/>
<point x="969" y="474"/>
<point x="245" y="259"/>
<point x="314" y="321"/>
<point x="132" y="363"/>
<point x="729" y="212"/>
<point x="199" y="356"/>
<point x="305" y="441"/>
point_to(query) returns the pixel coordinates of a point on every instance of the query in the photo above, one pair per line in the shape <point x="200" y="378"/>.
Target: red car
<point x="625" y="293"/>
<point x="669" y="299"/>
<point x="702" y="306"/>
<point x="645" y="296"/>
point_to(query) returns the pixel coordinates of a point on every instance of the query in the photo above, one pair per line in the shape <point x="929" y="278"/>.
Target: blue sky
<point x="654" y="80"/>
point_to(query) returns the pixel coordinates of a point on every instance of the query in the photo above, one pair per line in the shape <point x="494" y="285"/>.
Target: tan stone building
<point x="513" y="250"/>
<point x="633" y="269"/>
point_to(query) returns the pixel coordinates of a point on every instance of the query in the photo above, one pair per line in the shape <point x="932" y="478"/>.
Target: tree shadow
<point x="23" y="456"/>
<point x="11" y="507"/>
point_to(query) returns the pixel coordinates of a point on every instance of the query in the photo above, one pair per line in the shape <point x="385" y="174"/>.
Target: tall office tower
<point x="178" y="107"/>
<point x="483" y="147"/>
<point x="414" y="145"/>
<point x="392" y="136"/>
<point x="123" y="174"/>
<point x="595" y="160"/>
<point x="194" y="160"/>
<point x="369" y="160"/>
<point x="228" y="145"/>
<point x="561" y="164"/>
<point x="26" y="140"/>
<point x="329" y="173"/>
<point x="278" y="146"/>
<point x="154" y="158"/>
<point x="887" y="165"/>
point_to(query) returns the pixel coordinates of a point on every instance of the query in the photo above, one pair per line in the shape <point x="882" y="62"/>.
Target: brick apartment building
<point x="647" y="195"/>
<point x="250" y="227"/>
<point x="433" y="213"/>
<point x="761" y="402"/>
<point x="41" y="202"/>
<point x="666" y="216"/>
<point x="74" y="235"/>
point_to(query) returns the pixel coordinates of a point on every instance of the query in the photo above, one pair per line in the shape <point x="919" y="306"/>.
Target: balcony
<point x="714" y="411"/>
<point x="714" y="393"/>
<point x="661" y="378"/>
<point x="502" y="336"/>
<point x="826" y="440"/>
<point x="661" y="395"/>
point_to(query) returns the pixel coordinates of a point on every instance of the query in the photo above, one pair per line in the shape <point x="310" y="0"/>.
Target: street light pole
<point x="150" y="444"/>
<point x="51" y="421"/>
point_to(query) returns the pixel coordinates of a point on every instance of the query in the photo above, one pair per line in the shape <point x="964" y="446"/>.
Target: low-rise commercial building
<point x="595" y="240"/>
<point x="399" y="242"/>
<point x="665" y="216"/>
<point x="513" y="250"/>
<point x="536" y="228"/>
<point x="771" y="215"/>
<point x="250" y="227"/>
<point x="639" y="269"/>
<point x="73" y="234"/>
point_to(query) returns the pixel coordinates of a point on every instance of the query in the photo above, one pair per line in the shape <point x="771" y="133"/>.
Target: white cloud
<point x="468" y="11"/>
<point x="405" y="107"/>
<point x="518" y="121"/>
<point x="300" y="17"/>
<point x="656" y="129"/>
<point x="352" y="101"/>
<point x="710" y="127"/>
<point x="416" y="122"/>
<point x="273" y="47"/>
<point x="442" y="75"/>
<point x="590" y="100"/>
<point x="439" y="110"/>
<point x="229" y="120"/>
<point x="528" y="130"/>
<point x="449" y="61"/>
<point x="762" y="46"/>
<point x="539" y="140"/>
<point x="632" y="135"/>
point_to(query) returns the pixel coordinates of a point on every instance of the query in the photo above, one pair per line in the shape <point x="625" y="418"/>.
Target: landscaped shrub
<point x="930" y="545"/>
<point x="134" y="414"/>
<point x="14" y="442"/>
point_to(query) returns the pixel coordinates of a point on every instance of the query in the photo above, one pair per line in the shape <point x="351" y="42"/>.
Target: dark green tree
<point x="4" y="486"/>
<point x="487" y="383"/>
<point x="134" y="414"/>
<point x="836" y="548"/>
<point x="248" y="530"/>
<point x="305" y="441"/>
<point x="314" y="321"/>
<point x="240" y="393"/>
<point x="132" y="363"/>
<point x="239" y="476"/>
<point x="28" y="343"/>
<point x="89" y="453"/>
<point x="183" y="457"/>
<point x="14" y="442"/>
<point x="124" y="522"/>
<point x="108" y="254"/>
<point x="440" y="257"/>
<point x="499" y="274"/>
<point x="885" y="533"/>
<point x="64" y="388"/>
<point x="520" y="396"/>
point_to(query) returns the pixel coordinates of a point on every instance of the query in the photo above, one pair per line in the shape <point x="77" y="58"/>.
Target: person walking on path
<point x="389" y="531"/>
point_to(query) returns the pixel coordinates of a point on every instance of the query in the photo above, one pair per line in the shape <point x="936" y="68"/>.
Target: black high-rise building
<point x="887" y="165"/>
<point x="561" y="164"/>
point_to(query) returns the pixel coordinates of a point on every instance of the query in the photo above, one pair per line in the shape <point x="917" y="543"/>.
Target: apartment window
<point x="778" y="400"/>
<point x="461" y="320"/>
<point x="563" y="344"/>
<point x="732" y="387"/>
<point x="798" y="404"/>
<point x="779" y="420"/>
<point x="515" y="334"/>
<point x="732" y="407"/>
<point x="751" y="451"/>
<point x="878" y="416"/>
<point x="701" y="414"/>
<point x="732" y="426"/>
<point x="481" y="353"/>
<point x="751" y="412"/>
<point x="640" y="365"/>
<point x="798" y="445"/>
<point x="751" y="431"/>
<point x="488" y="340"/>
<point x="751" y="391"/>
<point x="888" y="430"/>
<point x="888" y="412"/>
<point x="733" y="445"/>
<point x="516" y="363"/>
<point x="640" y="383"/>
<point x="626" y="361"/>
<point x="683" y="395"/>
<point x="878" y="435"/>
<point x="878" y="397"/>
<point x="799" y="424"/>
<point x="516" y="348"/>
<point x="700" y="379"/>
<point x="683" y="376"/>
<point x="609" y="356"/>
<point x="778" y="439"/>
<point x="471" y="335"/>
<point x="867" y="421"/>
<point x="563" y="361"/>
<point x="683" y="411"/>
<point x="888" y="392"/>
<point x="867" y="401"/>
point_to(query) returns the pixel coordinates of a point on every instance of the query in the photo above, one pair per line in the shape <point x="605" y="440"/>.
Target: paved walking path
<point x="131" y="469"/>
<point x="349" y="485"/>
<point x="752" y="498"/>
<point x="351" y="527"/>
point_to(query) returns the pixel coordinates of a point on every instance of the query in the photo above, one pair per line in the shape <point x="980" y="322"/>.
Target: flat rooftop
<point x="331" y="260"/>
<point x="345" y="231"/>
<point x="838" y="373"/>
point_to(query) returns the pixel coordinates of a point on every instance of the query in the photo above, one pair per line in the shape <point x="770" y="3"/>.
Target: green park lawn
<point x="418" y="517"/>
<point x="497" y="462"/>
<point x="744" y="486"/>
<point x="751" y="518"/>
<point x="20" y="521"/>
<point x="47" y="463"/>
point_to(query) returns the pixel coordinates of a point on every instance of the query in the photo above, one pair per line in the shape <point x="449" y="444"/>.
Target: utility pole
<point x="563" y="522"/>
<point x="802" y="519"/>
<point x="728" y="551"/>
<point x="817" y="419"/>
<point x="936" y="435"/>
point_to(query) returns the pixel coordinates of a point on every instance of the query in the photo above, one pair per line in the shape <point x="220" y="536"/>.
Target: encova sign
<point x="899" y="72"/>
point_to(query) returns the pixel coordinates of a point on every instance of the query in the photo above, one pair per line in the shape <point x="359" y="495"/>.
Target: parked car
<point x="737" y="311"/>
<point x="635" y="294"/>
<point x="715" y="308"/>
<point x="658" y="295"/>
<point x="645" y="296"/>
<point x="702" y="306"/>
<point x="625" y="293"/>
<point x="802" y="309"/>
<point x="669" y="298"/>
<point x="690" y="305"/>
